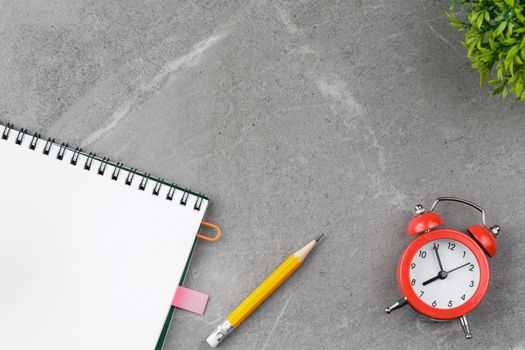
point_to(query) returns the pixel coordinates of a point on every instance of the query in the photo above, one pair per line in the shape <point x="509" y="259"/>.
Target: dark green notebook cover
<point x="167" y="323"/>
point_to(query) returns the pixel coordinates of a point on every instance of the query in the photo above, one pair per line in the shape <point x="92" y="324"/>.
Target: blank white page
<point x="86" y="262"/>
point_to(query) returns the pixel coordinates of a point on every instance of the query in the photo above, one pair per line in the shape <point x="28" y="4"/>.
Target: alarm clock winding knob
<point x="495" y="230"/>
<point x="419" y="209"/>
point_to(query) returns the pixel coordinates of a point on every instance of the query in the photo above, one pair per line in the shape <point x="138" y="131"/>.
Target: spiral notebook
<point x="91" y="251"/>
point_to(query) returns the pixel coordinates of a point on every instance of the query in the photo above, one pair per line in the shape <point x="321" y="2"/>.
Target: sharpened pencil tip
<point x="318" y="237"/>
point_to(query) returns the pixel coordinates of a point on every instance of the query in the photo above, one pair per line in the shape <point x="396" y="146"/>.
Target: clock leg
<point x="465" y="326"/>
<point x="400" y="303"/>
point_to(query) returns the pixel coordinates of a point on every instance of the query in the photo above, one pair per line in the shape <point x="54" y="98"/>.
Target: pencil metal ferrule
<point x="222" y="331"/>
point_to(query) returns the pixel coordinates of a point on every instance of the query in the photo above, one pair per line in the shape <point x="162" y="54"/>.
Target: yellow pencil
<point x="260" y="294"/>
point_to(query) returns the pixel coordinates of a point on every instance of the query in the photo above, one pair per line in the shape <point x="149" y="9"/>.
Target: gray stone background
<point x="294" y="117"/>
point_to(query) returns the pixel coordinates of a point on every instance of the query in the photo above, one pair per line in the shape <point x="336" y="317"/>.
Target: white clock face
<point x="449" y="284"/>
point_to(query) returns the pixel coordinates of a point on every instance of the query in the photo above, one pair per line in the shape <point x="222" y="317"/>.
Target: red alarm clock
<point x="444" y="273"/>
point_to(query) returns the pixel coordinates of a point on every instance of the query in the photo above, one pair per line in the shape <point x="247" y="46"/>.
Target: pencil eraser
<point x="190" y="300"/>
<point x="212" y="340"/>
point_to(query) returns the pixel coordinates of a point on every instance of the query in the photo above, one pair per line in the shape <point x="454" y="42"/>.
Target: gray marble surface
<point x="294" y="117"/>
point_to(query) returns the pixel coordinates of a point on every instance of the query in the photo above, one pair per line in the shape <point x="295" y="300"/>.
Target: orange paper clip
<point x="214" y="227"/>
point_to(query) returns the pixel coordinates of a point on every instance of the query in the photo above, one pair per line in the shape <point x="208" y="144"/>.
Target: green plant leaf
<point x="518" y="88"/>
<point x="497" y="90"/>
<point x="505" y="91"/>
<point x="479" y="21"/>
<point x="513" y="51"/>
<point x="500" y="29"/>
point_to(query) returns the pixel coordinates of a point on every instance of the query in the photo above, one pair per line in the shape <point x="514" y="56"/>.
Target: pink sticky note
<point x="190" y="300"/>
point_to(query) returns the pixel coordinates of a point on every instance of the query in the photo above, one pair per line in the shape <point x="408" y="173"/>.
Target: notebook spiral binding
<point x="104" y="162"/>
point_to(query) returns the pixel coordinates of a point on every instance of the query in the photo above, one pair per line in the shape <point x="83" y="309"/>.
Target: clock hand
<point x="442" y="274"/>
<point x="439" y="260"/>
<point x="431" y="280"/>
<point x="457" y="268"/>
